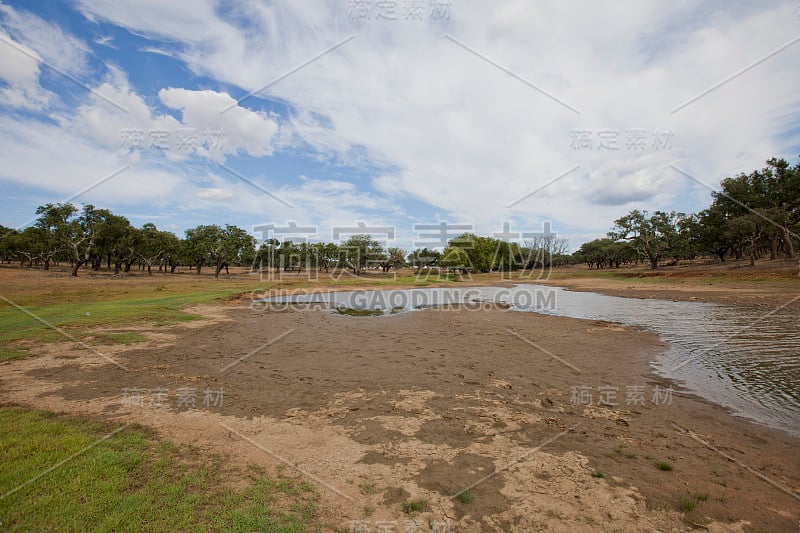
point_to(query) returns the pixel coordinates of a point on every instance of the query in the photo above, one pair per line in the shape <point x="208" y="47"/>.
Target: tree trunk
<point x="654" y="262"/>
<point x="787" y="240"/>
<point x="77" y="265"/>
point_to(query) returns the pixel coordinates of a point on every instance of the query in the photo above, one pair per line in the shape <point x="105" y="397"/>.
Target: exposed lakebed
<point x="744" y="358"/>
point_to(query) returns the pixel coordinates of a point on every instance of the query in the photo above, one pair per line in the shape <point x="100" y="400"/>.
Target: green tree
<point x="652" y="236"/>
<point x="52" y="229"/>
<point x="218" y="246"/>
<point x="158" y="247"/>
<point x="772" y="193"/>
<point x="423" y="258"/>
<point x="358" y="251"/>
<point x="115" y="238"/>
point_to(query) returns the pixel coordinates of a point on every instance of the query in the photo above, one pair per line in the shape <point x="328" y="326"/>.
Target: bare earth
<point x="379" y="411"/>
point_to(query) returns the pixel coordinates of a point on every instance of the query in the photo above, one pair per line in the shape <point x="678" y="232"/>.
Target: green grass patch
<point x="348" y="311"/>
<point x="130" y="482"/>
<point x="128" y="337"/>
<point x="598" y="474"/>
<point x="688" y="505"/>
<point x="415" y="506"/>
<point x="465" y="496"/>
<point x="78" y="319"/>
<point x="665" y="466"/>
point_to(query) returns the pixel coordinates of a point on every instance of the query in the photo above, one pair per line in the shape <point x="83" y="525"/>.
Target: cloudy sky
<point x="391" y="113"/>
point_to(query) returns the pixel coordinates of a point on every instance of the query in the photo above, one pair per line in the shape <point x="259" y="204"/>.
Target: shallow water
<point x="744" y="358"/>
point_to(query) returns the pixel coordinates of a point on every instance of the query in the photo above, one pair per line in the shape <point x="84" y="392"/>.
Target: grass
<point x="349" y="311"/>
<point x="131" y="482"/>
<point x="688" y="505"/>
<point x="78" y="319"/>
<point x="598" y="474"/>
<point x="415" y="506"/>
<point x="665" y="466"/>
<point x="128" y="337"/>
<point x="465" y="496"/>
<point x="367" y="488"/>
<point x="77" y="306"/>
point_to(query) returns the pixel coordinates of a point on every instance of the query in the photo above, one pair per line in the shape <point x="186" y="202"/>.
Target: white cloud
<point x="467" y="138"/>
<point x="56" y="47"/>
<point x="20" y="72"/>
<point x="131" y="124"/>
<point x="244" y="130"/>
<point x="215" y="193"/>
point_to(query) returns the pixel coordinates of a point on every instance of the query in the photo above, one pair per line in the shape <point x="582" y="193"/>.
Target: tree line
<point x="753" y="215"/>
<point x="96" y="239"/>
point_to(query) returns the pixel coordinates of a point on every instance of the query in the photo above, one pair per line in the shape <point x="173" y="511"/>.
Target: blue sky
<point x="391" y="114"/>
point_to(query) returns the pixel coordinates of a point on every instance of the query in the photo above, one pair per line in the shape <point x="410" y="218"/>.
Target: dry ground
<point x="381" y="411"/>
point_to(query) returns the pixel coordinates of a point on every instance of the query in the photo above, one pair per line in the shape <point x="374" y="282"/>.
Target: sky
<point x="315" y="120"/>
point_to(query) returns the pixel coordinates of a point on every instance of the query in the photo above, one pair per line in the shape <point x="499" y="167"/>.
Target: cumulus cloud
<point x="116" y="117"/>
<point x="430" y="116"/>
<point x="243" y="130"/>
<point x="467" y="138"/>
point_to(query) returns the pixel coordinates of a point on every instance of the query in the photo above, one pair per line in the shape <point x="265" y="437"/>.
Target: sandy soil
<point x="378" y="411"/>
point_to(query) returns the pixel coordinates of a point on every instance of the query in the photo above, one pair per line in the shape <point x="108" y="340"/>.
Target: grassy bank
<point x="72" y="475"/>
<point x="33" y="301"/>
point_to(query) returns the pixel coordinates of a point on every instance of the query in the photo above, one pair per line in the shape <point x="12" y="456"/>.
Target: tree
<point x="357" y="252"/>
<point x="221" y="247"/>
<point x="7" y="243"/>
<point x="772" y="193"/>
<point x="51" y="230"/>
<point x="423" y="258"/>
<point x="80" y="235"/>
<point x="709" y="232"/>
<point x="156" y="246"/>
<point x="392" y="258"/>
<point x="26" y="244"/>
<point x="327" y="254"/>
<point x="652" y="236"/>
<point x="482" y="253"/>
<point x="748" y="228"/>
<point x="115" y="238"/>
